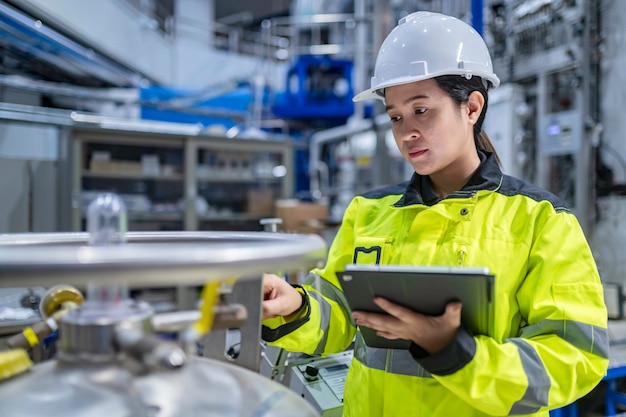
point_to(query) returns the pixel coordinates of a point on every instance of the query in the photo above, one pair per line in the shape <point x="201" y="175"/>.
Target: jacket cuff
<point x="454" y="356"/>
<point x="271" y="335"/>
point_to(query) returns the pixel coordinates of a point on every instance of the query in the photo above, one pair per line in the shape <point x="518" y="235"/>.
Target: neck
<point x="455" y="176"/>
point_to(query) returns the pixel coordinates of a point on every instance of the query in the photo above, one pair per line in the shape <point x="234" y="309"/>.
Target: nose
<point x="408" y="132"/>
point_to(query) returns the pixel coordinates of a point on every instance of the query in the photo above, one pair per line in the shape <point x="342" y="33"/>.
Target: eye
<point x="394" y="119"/>
<point x="420" y="111"/>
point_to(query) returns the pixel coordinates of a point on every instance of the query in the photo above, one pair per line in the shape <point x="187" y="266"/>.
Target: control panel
<point x="321" y="381"/>
<point x="560" y="133"/>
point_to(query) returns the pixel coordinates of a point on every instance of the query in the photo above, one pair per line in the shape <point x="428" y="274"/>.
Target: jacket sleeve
<point x="561" y="351"/>
<point x="325" y="326"/>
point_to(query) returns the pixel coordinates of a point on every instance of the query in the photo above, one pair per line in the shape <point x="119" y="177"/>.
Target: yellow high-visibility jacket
<point x="549" y="345"/>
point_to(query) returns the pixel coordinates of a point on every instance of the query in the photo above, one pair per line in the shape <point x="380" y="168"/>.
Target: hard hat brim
<point x="373" y="93"/>
<point x="367" y="95"/>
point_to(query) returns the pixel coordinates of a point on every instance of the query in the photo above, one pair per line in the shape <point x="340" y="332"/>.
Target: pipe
<point x="327" y="136"/>
<point x="226" y="316"/>
<point x="336" y="134"/>
<point x="360" y="53"/>
<point x="477" y="16"/>
<point x="41" y="41"/>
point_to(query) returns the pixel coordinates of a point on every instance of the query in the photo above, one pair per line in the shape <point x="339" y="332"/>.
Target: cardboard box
<point x="260" y="202"/>
<point x="116" y="167"/>
<point x="301" y="217"/>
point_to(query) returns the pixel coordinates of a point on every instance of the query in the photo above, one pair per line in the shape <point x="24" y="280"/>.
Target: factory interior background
<point x="237" y="116"/>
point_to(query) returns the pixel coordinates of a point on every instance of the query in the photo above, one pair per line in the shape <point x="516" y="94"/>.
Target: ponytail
<point x="483" y="143"/>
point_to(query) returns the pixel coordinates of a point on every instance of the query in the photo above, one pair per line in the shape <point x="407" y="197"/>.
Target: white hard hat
<point x="426" y="45"/>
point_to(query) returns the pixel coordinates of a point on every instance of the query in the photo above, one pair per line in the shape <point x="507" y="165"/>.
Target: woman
<point x="549" y="344"/>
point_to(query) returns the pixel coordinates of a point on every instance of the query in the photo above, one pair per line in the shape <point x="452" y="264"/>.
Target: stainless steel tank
<point x="109" y="362"/>
<point x="201" y="388"/>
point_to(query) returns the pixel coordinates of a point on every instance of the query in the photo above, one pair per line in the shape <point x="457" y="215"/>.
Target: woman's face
<point x="432" y="132"/>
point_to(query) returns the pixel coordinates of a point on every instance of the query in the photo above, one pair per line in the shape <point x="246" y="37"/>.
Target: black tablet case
<point x="424" y="289"/>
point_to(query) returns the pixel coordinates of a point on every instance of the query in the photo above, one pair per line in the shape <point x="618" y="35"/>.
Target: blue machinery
<point x="317" y="87"/>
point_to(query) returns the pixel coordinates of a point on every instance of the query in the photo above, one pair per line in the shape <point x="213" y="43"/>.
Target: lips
<point x="417" y="153"/>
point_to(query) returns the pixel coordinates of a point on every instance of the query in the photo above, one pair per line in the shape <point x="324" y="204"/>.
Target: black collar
<point x="420" y="190"/>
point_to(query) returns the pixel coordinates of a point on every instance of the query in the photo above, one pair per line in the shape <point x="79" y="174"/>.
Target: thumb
<point x="454" y="309"/>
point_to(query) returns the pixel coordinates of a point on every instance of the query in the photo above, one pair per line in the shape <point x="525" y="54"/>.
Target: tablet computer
<point x="424" y="289"/>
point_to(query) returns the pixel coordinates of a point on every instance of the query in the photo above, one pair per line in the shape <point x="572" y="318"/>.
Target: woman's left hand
<point x="432" y="333"/>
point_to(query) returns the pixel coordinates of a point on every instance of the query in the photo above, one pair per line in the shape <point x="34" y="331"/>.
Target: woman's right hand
<point x="279" y="297"/>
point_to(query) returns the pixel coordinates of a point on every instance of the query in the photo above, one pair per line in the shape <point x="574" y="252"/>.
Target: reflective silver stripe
<point x="319" y="288"/>
<point x="375" y="358"/>
<point x="592" y="339"/>
<point x="600" y="339"/>
<point x="401" y="362"/>
<point x="324" y="318"/>
<point x="327" y="289"/>
<point x="536" y="395"/>
<point x="394" y="361"/>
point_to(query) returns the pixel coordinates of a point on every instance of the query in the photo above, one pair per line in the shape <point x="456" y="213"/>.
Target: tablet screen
<point x="424" y="289"/>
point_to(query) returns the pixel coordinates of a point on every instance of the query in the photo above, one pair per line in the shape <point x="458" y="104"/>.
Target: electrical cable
<point x="234" y="350"/>
<point x="615" y="153"/>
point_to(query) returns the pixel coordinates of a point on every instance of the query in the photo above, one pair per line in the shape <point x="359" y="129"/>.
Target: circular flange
<point x="153" y="258"/>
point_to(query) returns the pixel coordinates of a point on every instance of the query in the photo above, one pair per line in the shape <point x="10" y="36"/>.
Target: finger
<point x="270" y="294"/>
<point x="392" y="308"/>
<point x="266" y="278"/>
<point x="364" y="317"/>
<point x="266" y="309"/>
<point x="360" y="318"/>
<point x="267" y="313"/>
<point x="269" y="280"/>
<point x="387" y="335"/>
<point x="376" y="321"/>
<point x="267" y="284"/>
<point x="271" y="308"/>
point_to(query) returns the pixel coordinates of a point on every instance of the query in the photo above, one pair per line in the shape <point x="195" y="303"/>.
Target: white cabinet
<point x="174" y="182"/>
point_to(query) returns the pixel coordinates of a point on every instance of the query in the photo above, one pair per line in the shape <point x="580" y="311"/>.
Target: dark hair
<point x="460" y="88"/>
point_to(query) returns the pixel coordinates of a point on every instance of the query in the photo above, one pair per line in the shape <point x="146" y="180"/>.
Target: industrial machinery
<point x="317" y="86"/>
<point x="321" y="380"/>
<point x="317" y="379"/>
<point x="110" y="359"/>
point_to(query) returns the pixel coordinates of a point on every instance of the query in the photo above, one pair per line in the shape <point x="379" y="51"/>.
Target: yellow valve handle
<point x="31" y="336"/>
<point x="13" y="362"/>
<point x="210" y="295"/>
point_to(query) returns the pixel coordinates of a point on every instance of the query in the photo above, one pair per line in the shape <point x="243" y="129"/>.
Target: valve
<point x="55" y="303"/>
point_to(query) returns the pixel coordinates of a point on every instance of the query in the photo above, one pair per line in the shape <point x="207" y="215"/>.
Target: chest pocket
<point x="372" y="250"/>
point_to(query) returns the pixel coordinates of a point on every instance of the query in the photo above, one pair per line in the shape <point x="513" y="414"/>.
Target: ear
<point x="475" y="104"/>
